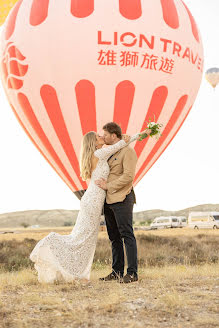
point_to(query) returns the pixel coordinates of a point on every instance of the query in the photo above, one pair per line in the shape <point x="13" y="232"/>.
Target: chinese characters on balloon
<point x="135" y="59"/>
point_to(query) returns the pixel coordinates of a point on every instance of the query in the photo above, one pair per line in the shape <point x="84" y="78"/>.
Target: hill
<point x="43" y="218"/>
<point x="60" y="217"/>
<point x="151" y="214"/>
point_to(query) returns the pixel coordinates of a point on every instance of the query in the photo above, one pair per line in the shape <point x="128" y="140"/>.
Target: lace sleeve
<point x="105" y="153"/>
<point x="133" y="138"/>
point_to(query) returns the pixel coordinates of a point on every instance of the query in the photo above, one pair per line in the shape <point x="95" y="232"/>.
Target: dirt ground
<point x="174" y="296"/>
<point x="171" y="296"/>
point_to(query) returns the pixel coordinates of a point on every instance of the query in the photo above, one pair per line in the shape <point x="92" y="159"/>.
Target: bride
<point x="68" y="257"/>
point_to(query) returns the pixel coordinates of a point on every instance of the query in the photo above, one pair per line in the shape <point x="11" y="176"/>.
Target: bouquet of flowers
<point x="155" y="130"/>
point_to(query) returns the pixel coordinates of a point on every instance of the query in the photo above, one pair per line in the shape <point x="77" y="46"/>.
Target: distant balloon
<point x="69" y="67"/>
<point x="212" y="76"/>
<point x="5" y="7"/>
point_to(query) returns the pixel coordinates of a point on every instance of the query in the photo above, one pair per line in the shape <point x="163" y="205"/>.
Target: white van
<point x="183" y="221"/>
<point x="165" y="222"/>
<point x="205" y="220"/>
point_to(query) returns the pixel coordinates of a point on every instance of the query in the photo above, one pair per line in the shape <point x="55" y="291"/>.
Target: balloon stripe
<point x="18" y="69"/>
<point x="14" y="52"/>
<point x="130" y="9"/>
<point x="19" y="55"/>
<point x="174" y="117"/>
<point x="39" y="12"/>
<point x="10" y="85"/>
<point x="170" y="14"/>
<point x="82" y="8"/>
<point x="28" y="111"/>
<point x="193" y="24"/>
<point x="169" y="141"/>
<point x="85" y="95"/>
<point x="156" y="105"/>
<point x="12" y="20"/>
<point x="51" y="103"/>
<point x="15" y="83"/>
<point x="22" y="69"/>
<point x="125" y="91"/>
<point x="35" y="144"/>
<point x="12" y="69"/>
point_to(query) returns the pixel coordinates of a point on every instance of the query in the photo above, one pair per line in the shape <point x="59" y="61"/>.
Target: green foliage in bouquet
<point x="155" y="130"/>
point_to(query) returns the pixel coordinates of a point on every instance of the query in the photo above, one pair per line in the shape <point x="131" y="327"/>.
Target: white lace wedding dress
<point x="68" y="257"/>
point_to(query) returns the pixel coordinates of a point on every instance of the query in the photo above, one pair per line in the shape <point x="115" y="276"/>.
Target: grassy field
<point x="178" y="285"/>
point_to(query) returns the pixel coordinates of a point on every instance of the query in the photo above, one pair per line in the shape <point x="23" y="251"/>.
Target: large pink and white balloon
<point x="70" y="66"/>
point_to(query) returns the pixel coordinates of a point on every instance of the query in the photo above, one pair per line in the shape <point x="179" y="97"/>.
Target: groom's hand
<point x="101" y="184"/>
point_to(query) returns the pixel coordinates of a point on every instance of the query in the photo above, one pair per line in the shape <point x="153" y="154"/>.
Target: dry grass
<point x="175" y="296"/>
<point x="155" y="248"/>
<point x="22" y="233"/>
<point x="169" y="296"/>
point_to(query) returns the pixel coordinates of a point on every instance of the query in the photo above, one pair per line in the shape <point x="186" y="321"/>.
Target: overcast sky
<point x="187" y="173"/>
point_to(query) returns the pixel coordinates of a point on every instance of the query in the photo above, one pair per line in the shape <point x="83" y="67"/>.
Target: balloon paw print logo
<point x="13" y="67"/>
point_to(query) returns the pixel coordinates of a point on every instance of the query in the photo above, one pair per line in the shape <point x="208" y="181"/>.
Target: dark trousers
<point x="119" y="217"/>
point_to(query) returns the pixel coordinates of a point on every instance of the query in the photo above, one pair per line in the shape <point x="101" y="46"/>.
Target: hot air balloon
<point x="69" y="67"/>
<point x="5" y="7"/>
<point x="212" y="76"/>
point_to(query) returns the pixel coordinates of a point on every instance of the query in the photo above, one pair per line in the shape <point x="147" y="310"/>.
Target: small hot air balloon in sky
<point x="5" y="7"/>
<point x="69" y="67"/>
<point x="212" y="76"/>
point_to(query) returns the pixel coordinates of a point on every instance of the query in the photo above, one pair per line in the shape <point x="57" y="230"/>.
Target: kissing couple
<point x="110" y="171"/>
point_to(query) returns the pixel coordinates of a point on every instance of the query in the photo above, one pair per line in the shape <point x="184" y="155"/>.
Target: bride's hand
<point x="126" y="138"/>
<point x="146" y="131"/>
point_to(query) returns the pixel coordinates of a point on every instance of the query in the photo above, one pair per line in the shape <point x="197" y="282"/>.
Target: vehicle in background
<point x="35" y="226"/>
<point x="183" y="221"/>
<point x="205" y="220"/>
<point x="165" y="222"/>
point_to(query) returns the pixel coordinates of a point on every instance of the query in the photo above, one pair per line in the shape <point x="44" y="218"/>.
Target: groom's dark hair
<point x="112" y="127"/>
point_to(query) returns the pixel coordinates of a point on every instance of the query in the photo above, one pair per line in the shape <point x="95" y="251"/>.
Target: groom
<point x="118" y="207"/>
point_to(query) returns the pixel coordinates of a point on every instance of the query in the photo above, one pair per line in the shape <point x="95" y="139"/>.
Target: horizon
<point x="152" y="209"/>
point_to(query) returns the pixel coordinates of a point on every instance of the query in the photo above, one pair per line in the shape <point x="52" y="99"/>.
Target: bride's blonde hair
<point x="88" y="147"/>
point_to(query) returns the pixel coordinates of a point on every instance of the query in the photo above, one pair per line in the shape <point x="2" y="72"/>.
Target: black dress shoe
<point x="129" y="278"/>
<point x="112" y="276"/>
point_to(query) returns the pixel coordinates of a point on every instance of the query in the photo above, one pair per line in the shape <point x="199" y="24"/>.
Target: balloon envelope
<point x="69" y="67"/>
<point x="212" y="76"/>
<point x="5" y="7"/>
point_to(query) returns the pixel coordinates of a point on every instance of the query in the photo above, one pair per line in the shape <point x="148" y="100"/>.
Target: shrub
<point x="153" y="251"/>
<point x="14" y="255"/>
<point x="142" y="223"/>
<point x="24" y="224"/>
<point x="68" y="224"/>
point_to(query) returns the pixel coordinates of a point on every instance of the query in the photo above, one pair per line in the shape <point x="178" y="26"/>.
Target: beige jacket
<point x="122" y="172"/>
